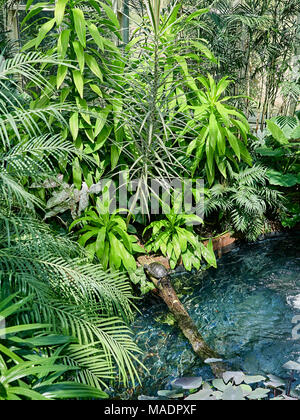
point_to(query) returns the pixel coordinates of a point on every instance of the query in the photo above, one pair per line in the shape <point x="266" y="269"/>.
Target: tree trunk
<point x="186" y="324"/>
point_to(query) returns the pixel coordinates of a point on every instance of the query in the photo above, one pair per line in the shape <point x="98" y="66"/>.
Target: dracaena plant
<point x="174" y="237"/>
<point x="81" y="33"/>
<point x="151" y="96"/>
<point x="106" y="236"/>
<point x="222" y="129"/>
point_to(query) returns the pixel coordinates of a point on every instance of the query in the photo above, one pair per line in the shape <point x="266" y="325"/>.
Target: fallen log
<point x="167" y="293"/>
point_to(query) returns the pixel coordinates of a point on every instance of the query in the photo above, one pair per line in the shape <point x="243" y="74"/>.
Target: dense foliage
<point x="84" y="101"/>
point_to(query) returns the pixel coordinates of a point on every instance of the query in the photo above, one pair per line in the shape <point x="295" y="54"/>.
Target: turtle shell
<point x="157" y="270"/>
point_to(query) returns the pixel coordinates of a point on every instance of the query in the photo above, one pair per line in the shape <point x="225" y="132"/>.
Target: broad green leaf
<point x="205" y="50"/>
<point x="70" y="390"/>
<point x="96" y="89"/>
<point x="111" y="15"/>
<point x="96" y="36"/>
<point x="234" y="143"/>
<point x="80" y="26"/>
<point x="283" y="180"/>
<point x="60" y="11"/>
<point x="115" y="155"/>
<point x="93" y="65"/>
<point x="74" y="126"/>
<point x="79" y="54"/>
<point x="61" y="75"/>
<point x="78" y="80"/>
<point x="45" y="28"/>
<point x="100" y="242"/>
<point x="77" y="174"/>
<point x="63" y="43"/>
<point x="277" y="133"/>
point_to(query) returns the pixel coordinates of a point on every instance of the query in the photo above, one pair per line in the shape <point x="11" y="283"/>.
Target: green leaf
<point x="78" y="80"/>
<point x="208" y="253"/>
<point x="283" y="180"/>
<point x="295" y="135"/>
<point x="43" y="31"/>
<point x="80" y="26"/>
<point x="79" y="54"/>
<point x="77" y="174"/>
<point x="74" y="127"/>
<point x="97" y="90"/>
<point x="96" y="36"/>
<point x="115" y="155"/>
<point x="277" y="133"/>
<point x="93" y="65"/>
<point x="63" y="43"/>
<point x="60" y="11"/>
<point x="234" y="143"/>
<point x="61" y="75"/>
<point x="70" y="390"/>
<point x="111" y="15"/>
<point x="205" y="50"/>
<point x="100" y="242"/>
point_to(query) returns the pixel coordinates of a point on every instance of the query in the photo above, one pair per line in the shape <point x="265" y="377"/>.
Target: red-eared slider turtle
<point x="156" y="270"/>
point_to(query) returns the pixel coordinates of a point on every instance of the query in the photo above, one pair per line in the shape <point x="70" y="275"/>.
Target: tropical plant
<point x="281" y="151"/>
<point x="222" y="129"/>
<point x="76" y="298"/>
<point x="174" y="237"/>
<point x="31" y="359"/>
<point x="106" y="236"/>
<point x="243" y="201"/>
<point x="256" y="42"/>
<point x="82" y="37"/>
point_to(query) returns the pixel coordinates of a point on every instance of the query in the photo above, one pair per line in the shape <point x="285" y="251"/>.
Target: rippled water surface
<point x="244" y="309"/>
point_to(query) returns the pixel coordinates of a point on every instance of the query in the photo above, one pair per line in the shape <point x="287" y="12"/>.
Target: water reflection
<point x="244" y="309"/>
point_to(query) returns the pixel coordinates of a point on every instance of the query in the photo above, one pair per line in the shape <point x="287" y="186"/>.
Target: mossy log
<point x="185" y="323"/>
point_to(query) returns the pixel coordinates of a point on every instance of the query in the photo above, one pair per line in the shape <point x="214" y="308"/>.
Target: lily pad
<point x="220" y="385"/>
<point x="254" y="379"/>
<point x="237" y="377"/>
<point x="259" y="394"/>
<point x="233" y="393"/>
<point x="202" y="395"/>
<point x="188" y="383"/>
<point x="292" y="366"/>
<point x="169" y="394"/>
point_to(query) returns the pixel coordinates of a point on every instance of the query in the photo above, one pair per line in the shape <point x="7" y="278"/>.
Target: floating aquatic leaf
<point x="203" y="395"/>
<point x="233" y="393"/>
<point x="187" y="383"/>
<point x="254" y="379"/>
<point x="292" y="366"/>
<point x="238" y="377"/>
<point x="258" y="394"/>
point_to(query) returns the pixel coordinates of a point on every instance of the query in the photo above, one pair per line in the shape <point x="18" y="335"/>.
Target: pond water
<point x="245" y="310"/>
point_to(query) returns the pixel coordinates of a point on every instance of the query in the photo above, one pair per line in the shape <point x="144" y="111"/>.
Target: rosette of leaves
<point x="222" y="129"/>
<point x="174" y="237"/>
<point x="106" y="236"/>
